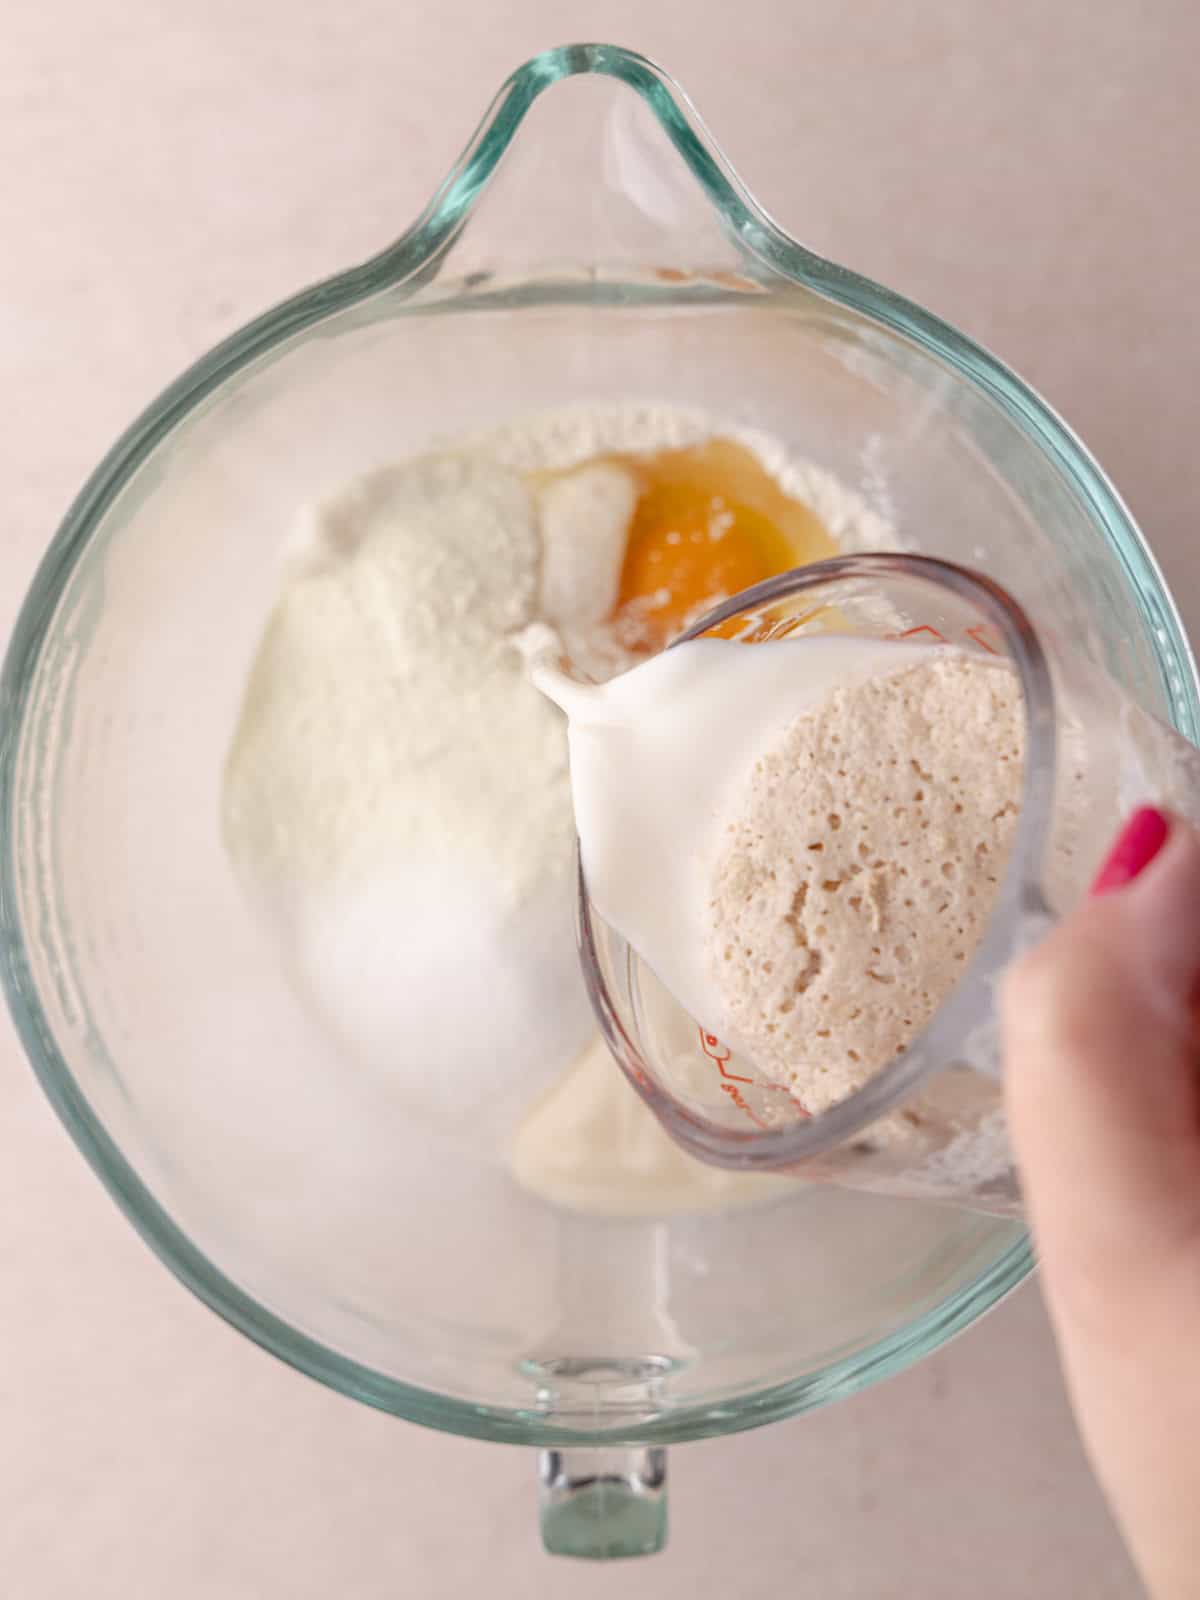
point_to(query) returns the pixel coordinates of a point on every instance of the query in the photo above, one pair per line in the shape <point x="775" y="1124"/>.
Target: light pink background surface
<point x="170" y="169"/>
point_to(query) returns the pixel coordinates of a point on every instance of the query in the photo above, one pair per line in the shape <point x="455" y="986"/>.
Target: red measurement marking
<point x="719" y="1055"/>
<point x="716" y="1051"/>
<point x="977" y="633"/>
<point x="739" y="1101"/>
<point x="912" y="633"/>
<point x="799" y="1104"/>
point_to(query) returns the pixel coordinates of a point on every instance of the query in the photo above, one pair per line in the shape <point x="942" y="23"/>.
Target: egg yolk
<point x="708" y="522"/>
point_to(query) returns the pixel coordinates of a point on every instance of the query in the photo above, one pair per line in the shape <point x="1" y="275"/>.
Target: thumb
<point x="1103" y="1066"/>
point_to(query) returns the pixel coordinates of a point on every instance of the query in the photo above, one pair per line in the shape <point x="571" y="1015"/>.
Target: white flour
<point x="396" y="795"/>
<point x="384" y="710"/>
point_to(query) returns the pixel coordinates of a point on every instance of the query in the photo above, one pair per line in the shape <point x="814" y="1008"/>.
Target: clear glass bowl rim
<point x="764" y="244"/>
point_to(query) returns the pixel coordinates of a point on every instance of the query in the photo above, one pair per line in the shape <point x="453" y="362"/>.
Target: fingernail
<point x="1142" y="837"/>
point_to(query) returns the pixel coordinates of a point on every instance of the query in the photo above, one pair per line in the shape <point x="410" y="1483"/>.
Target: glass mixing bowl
<point x="590" y="245"/>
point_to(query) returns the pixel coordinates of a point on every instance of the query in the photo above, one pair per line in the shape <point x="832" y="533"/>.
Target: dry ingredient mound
<point x="396" y="797"/>
<point x="859" y="867"/>
<point x="385" y="711"/>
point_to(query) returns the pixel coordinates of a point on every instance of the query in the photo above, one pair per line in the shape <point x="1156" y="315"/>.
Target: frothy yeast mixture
<point x="803" y="838"/>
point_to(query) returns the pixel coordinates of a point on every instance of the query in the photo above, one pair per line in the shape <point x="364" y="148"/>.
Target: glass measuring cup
<point x="929" y="1124"/>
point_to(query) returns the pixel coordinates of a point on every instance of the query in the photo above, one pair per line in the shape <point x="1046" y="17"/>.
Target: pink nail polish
<point x="1139" y="841"/>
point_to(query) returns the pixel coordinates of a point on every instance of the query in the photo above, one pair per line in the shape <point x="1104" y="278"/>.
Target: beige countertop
<point x="172" y="168"/>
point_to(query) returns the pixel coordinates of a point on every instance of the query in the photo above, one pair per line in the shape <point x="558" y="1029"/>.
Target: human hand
<point x="1102" y="1046"/>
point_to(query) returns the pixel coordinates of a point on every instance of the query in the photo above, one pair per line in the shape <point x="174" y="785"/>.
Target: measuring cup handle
<point x="603" y="1503"/>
